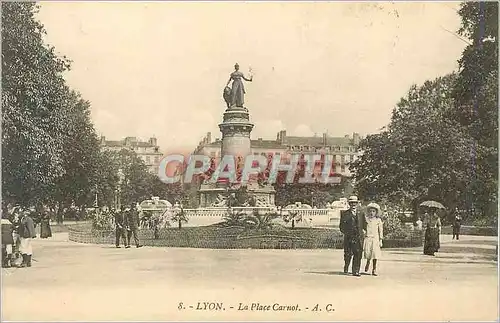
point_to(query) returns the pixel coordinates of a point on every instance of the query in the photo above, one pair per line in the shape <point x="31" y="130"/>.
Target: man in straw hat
<point x="352" y="224"/>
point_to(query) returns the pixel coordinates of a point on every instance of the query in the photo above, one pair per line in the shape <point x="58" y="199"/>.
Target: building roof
<point x="268" y="144"/>
<point x="121" y="143"/>
<point x="317" y="141"/>
<point x="213" y="144"/>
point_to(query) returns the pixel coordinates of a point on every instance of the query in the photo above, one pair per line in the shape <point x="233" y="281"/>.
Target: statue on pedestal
<point x="235" y="95"/>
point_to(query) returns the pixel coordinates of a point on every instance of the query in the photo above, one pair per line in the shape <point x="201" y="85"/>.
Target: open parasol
<point x="433" y="204"/>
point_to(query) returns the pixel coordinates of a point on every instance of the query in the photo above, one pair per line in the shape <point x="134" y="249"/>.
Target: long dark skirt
<point x="431" y="244"/>
<point x="45" y="231"/>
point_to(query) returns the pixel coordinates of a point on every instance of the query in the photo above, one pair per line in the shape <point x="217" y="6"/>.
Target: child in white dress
<point x="374" y="236"/>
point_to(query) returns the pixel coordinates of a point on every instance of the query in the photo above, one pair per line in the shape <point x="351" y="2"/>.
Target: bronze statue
<point x="234" y="96"/>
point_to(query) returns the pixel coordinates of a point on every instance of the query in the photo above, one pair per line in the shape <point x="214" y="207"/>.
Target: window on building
<point x="157" y="159"/>
<point x="148" y="159"/>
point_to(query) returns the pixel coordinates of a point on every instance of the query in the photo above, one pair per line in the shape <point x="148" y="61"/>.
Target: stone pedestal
<point x="236" y="128"/>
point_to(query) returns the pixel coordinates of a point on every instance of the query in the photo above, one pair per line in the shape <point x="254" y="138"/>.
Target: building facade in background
<point x="344" y="149"/>
<point x="148" y="151"/>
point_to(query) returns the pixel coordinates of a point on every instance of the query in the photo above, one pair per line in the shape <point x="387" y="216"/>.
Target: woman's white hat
<point x="374" y="206"/>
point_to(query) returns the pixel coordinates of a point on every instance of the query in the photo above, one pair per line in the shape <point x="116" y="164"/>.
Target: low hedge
<point x="472" y="230"/>
<point x="217" y="237"/>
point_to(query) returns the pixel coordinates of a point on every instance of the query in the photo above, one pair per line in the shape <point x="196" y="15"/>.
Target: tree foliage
<point x="442" y="140"/>
<point x="476" y="101"/>
<point x="421" y="155"/>
<point x="47" y="137"/>
<point x="50" y="151"/>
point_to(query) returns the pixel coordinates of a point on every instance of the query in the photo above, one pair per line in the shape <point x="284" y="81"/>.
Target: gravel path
<point x="70" y="281"/>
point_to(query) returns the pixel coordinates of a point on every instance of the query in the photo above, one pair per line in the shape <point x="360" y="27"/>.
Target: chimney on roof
<point x="324" y="138"/>
<point x="129" y="140"/>
<point x="103" y="140"/>
<point x="152" y="141"/>
<point x="209" y="137"/>
<point x="259" y="139"/>
<point x="282" y="136"/>
<point x="356" y="138"/>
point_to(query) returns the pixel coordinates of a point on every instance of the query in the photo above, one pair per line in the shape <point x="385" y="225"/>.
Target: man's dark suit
<point x="120" y="227"/>
<point x="352" y="226"/>
<point x="132" y="225"/>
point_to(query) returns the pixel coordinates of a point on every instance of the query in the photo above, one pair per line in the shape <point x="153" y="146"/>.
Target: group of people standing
<point x="363" y="235"/>
<point x="127" y="225"/>
<point x="18" y="230"/>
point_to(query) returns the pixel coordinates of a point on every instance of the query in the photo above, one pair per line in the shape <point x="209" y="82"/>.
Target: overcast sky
<point x="159" y="68"/>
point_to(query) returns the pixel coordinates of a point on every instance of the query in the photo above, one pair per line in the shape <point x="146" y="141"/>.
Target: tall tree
<point x="50" y="152"/>
<point x="81" y="157"/>
<point x="421" y="155"/>
<point x="34" y="102"/>
<point x="476" y="101"/>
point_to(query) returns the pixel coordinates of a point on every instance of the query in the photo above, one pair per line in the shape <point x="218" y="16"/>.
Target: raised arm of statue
<point x="246" y="79"/>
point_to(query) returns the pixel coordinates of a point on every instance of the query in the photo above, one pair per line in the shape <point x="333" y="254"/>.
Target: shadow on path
<point x="435" y="260"/>
<point x="330" y="273"/>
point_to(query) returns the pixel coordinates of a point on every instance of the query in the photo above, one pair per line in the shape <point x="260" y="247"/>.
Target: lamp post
<point x="95" y="202"/>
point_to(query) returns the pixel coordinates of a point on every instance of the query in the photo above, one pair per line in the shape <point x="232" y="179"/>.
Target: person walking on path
<point x="27" y="232"/>
<point x="432" y="225"/>
<point x="352" y="226"/>
<point x="457" y="224"/>
<point x="45" y="231"/>
<point x="132" y="224"/>
<point x="120" y="227"/>
<point x="374" y="235"/>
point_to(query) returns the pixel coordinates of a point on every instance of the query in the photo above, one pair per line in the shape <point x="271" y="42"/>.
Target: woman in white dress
<point x="374" y="236"/>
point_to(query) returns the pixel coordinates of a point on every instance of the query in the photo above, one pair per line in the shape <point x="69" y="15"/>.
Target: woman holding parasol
<point x="432" y="227"/>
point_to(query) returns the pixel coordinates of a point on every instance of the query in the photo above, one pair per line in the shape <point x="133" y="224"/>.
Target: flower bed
<point x="219" y="237"/>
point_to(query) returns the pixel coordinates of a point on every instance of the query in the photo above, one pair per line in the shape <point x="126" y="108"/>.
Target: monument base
<point x="216" y="195"/>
